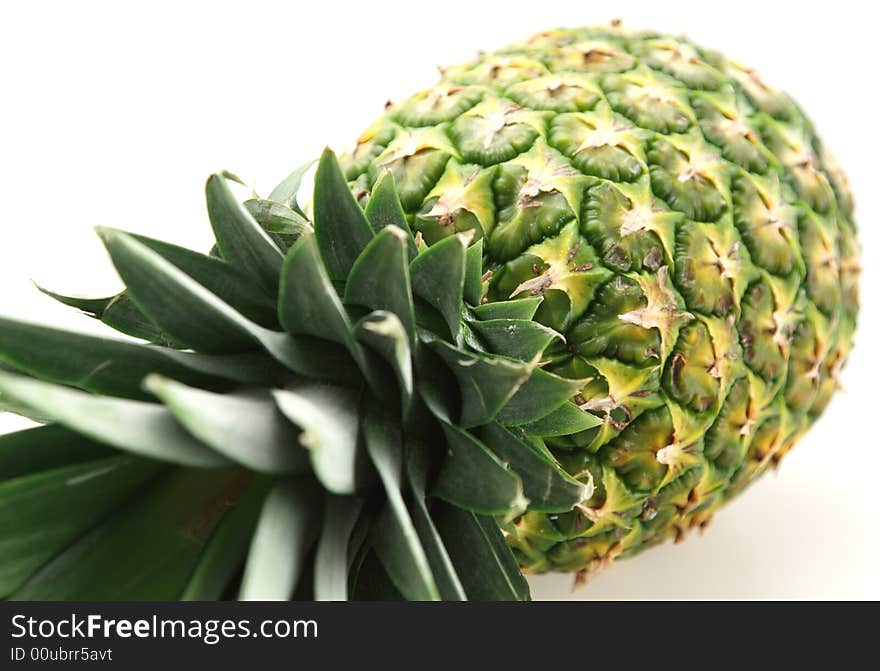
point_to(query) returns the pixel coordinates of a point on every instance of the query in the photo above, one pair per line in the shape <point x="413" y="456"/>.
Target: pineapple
<point x="556" y="309"/>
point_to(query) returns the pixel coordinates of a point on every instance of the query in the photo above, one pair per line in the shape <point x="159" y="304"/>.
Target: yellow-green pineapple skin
<point x="692" y="239"/>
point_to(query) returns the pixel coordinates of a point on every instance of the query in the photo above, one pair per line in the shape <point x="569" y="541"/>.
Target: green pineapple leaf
<point x="144" y="429"/>
<point x="277" y="218"/>
<point x="475" y="543"/>
<point x="444" y="572"/>
<point x="328" y="418"/>
<point x="288" y="189"/>
<point x="384" y="209"/>
<point x="44" y="448"/>
<point x="240" y="239"/>
<point x="545" y="484"/>
<point x="383" y="333"/>
<point x="108" y="366"/>
<point x="266" y="443"/>
<point x="473" y="275"/>
<point x="123" y="315"/>
<point x="567" y="419"/>
<point x="225" y="552"/>
<point x="539" y="395"/>
<point x="63" y="503"/>
<point x="341" y="227"/>
<point x="515" y="338"/>
<point x="438" y="279"/>
<point x="396" y="541"/>
<point x="195" y="316"/>
<point x="169" y="523"/>
<point x="93" y="307"/>
<point x="331" y="557"/>
<point x="379" y="278"/>
<point x="519" y="308"/>
<point x="285" y="533"/>
<point x="220" y="278"/>
<point x="486" y="384"/>
<point x="492" y="489"/>
<point x="308" y="304"/>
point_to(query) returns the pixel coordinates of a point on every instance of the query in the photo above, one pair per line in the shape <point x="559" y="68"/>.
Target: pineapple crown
<point x="321" y="409"/>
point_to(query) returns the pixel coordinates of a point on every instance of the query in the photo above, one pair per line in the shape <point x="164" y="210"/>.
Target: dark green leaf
<point x="125" y="316"/>
<point x="287" y="190"/>
<point x="226" y="551"/>
<point x="253" y="368"/>
<point x="42" y="514"/>
<point x="93" y="307"/>
<point x="471" y="340"/>
<point x="308" y="356"/>
<point x="437" y="386"/>
<point x="379" y="279"/>
<point x="438" y="279"/>
<point x="472" y="477"/>
<point x="328" y="417"/>
<point x="193" y="314"/>
<point x="383" y="333"/>
<point x="515" y="338"/>
<point x="245" y="426"/>
<point x="331" y="557"/>
<point x="145" y="429"/>
<point x="148" y="549"/>
<point x="118" y="312"/>
<point x="539" y="395"/>
<point x="309" y="305"/>
<point x="486" y="383"/>
<point x="357" y="543"/>
<point x="384" y="209"/>
<point x="545" y="484"/>
<point x="370" y="581"/>
<point x="473" y="275"/>
<point x="43" y="448"/>
<point x="445" y="576"/>
<point x="121" y="314"/>
<point x="240" y="239"/>
<point x="341" y="228"/>
<point x="277" y="218"/>
<point x="285" y="534"/>
<point x="222" y="279"/>
<point x="477" y="547"/>
<point x="100" y="365"/>
<point x="566" y="420"/>
<point x="395" y="539"/>
<point x="521" y="308"/>
<point x="178" y="304"/>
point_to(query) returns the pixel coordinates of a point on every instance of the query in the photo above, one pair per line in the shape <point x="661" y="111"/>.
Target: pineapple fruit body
<point x="690" y="236"/>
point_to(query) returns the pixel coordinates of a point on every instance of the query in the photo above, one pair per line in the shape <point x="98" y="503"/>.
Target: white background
<point x="113" y="114"/>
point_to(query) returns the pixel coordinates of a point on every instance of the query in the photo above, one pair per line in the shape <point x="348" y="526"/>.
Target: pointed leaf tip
<point x="384" y="209"/>
<point x="438" y="276"/>
<point x="240" y="239"/>
<point x="266" y="443"/>
<point x="379" y="278"/>
<point x="341" y="227"/>
<point x="286" y="191"/>
<point x="145" y="429"/>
